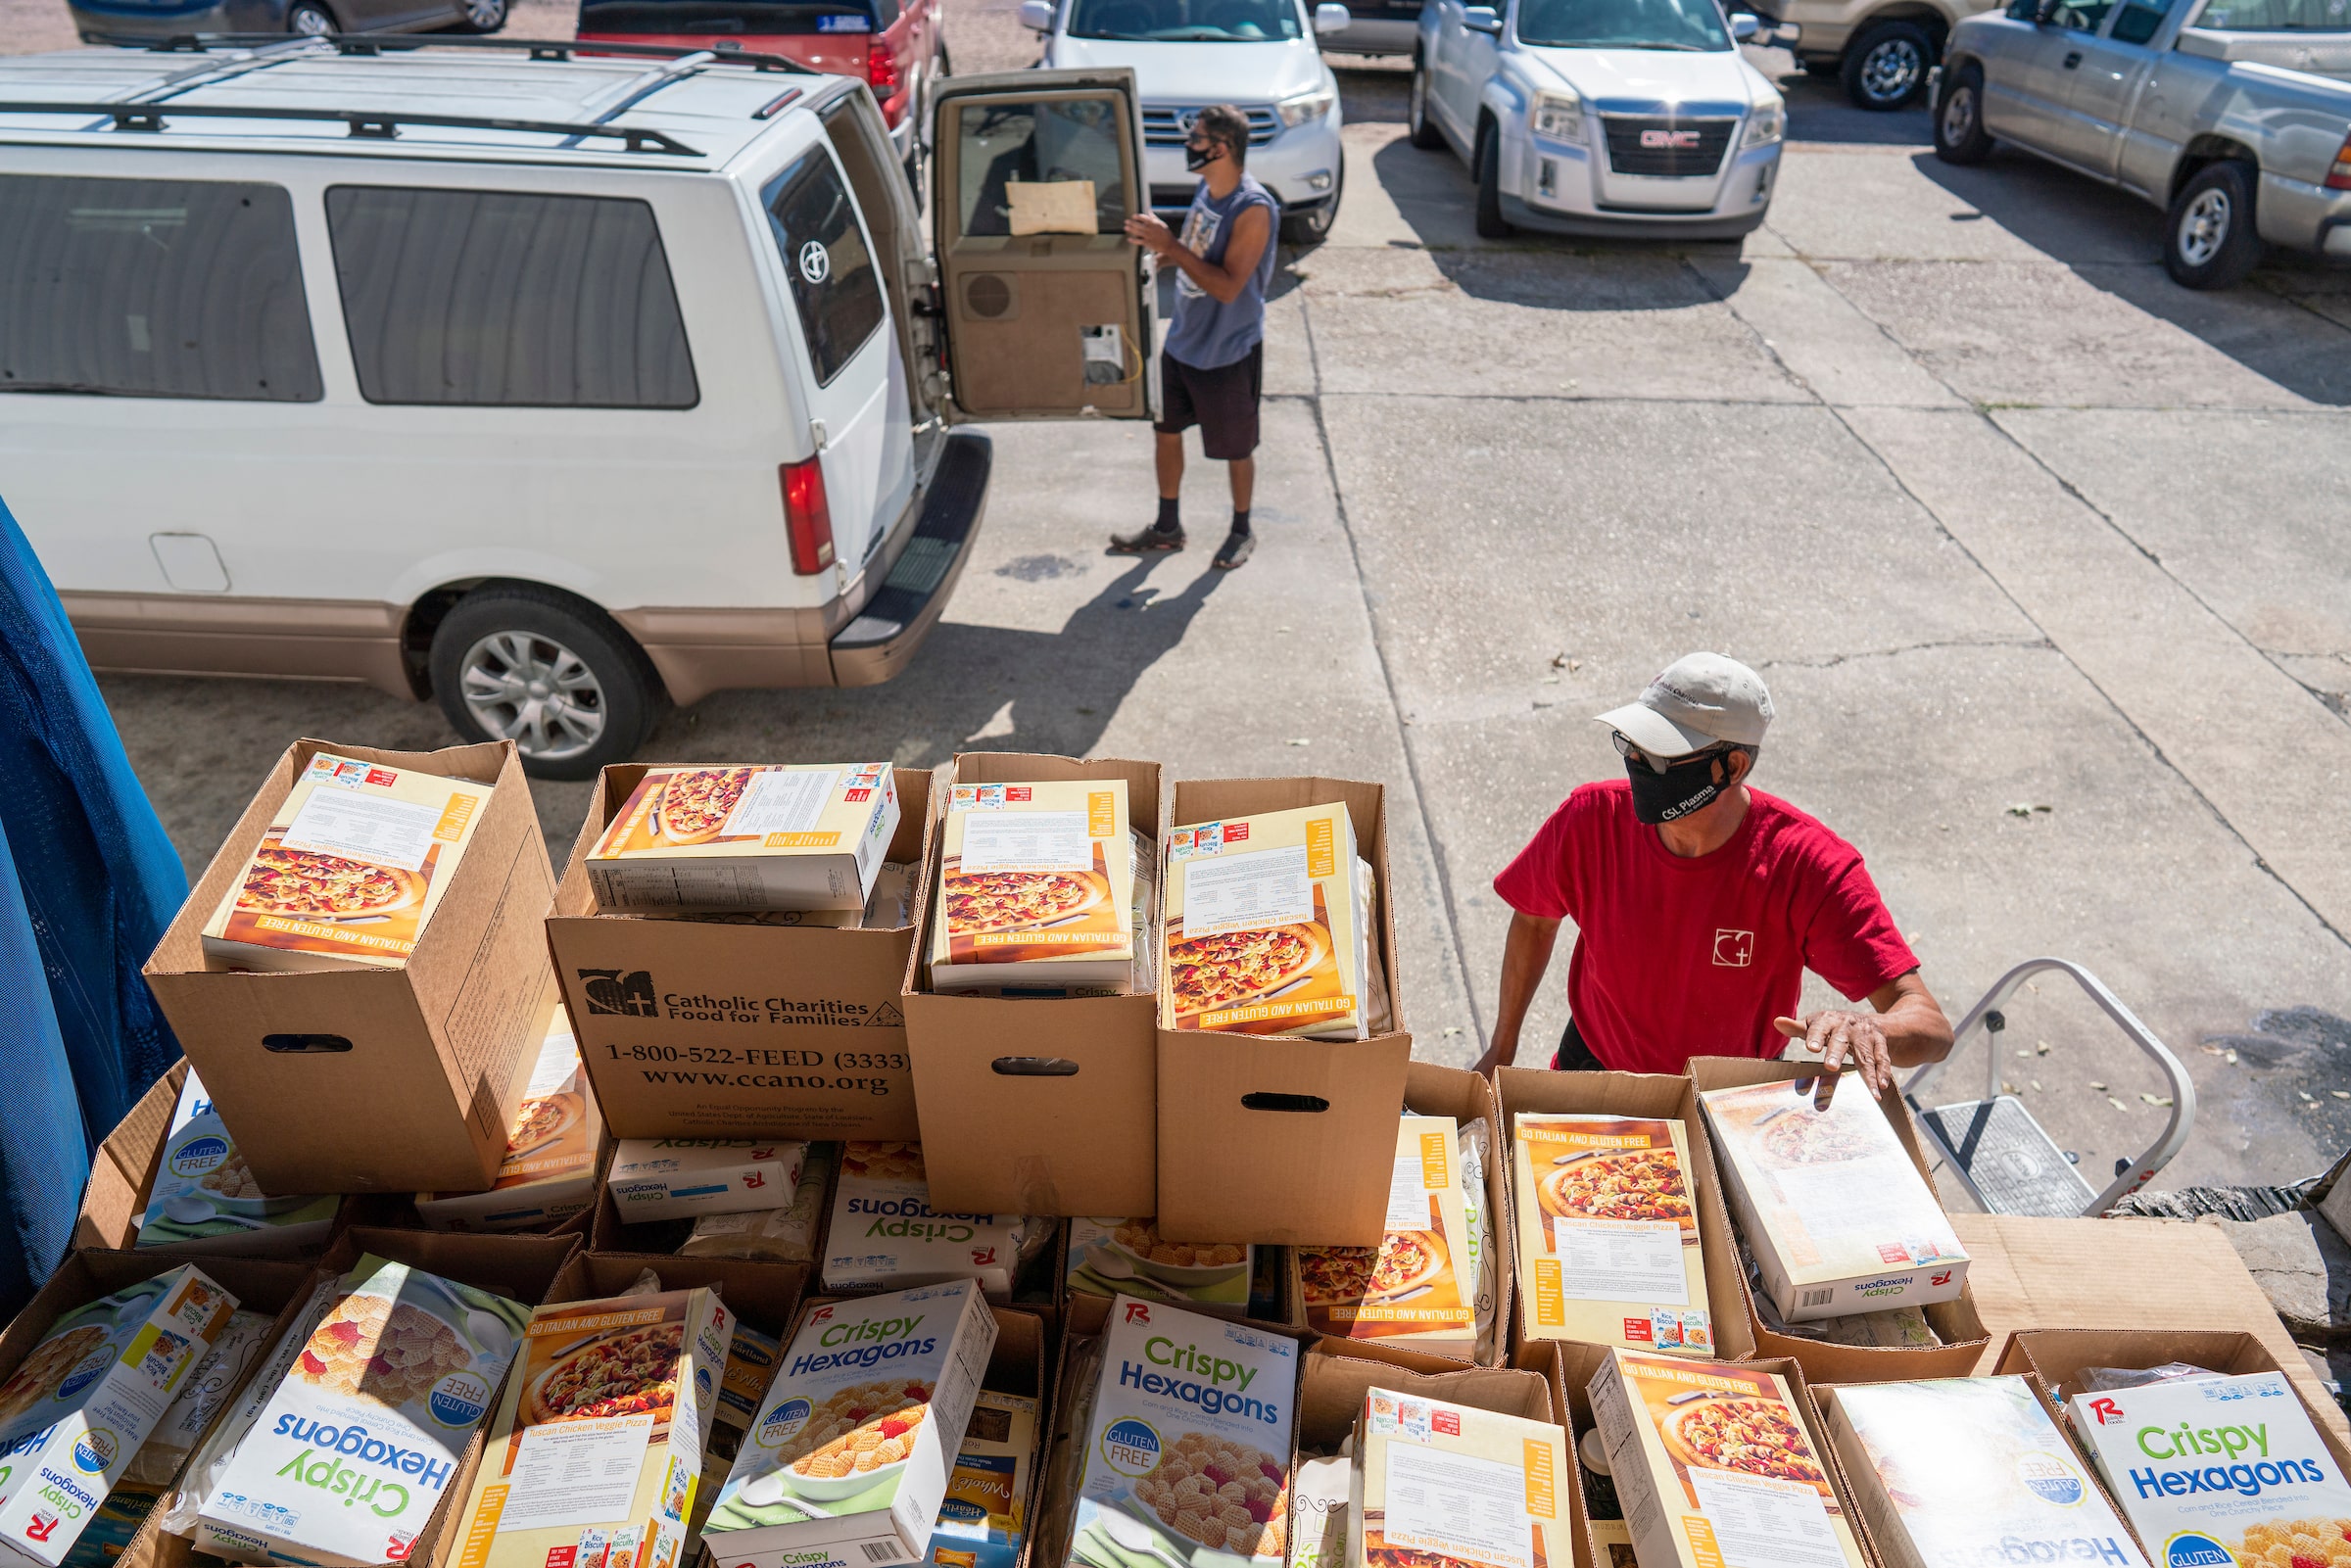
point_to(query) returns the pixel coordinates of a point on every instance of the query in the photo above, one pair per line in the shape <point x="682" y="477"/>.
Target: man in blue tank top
<point x="1212" y="369"/>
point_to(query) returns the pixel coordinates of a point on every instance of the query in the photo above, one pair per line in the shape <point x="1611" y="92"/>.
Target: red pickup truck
<point x="893" y="46"/>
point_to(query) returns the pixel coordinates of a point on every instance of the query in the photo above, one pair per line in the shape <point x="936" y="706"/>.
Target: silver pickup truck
<point x="2219" y="112"/>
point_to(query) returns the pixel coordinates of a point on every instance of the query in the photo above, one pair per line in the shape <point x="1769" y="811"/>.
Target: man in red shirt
<point x="1698" y="903"/>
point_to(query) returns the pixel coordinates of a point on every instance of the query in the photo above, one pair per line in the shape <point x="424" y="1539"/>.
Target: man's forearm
<point x="1220" y="285"/>
<point x="1913" y="1023"/>
<point x="1525" y="958"/>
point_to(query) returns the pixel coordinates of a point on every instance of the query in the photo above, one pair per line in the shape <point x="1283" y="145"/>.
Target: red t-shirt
<point x="1679" y="958"/>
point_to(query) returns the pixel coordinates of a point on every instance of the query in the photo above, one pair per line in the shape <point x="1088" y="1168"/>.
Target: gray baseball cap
<point x="1698" y="700"/>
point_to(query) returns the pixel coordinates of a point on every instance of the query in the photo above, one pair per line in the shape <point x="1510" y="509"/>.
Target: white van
<point x="550" y="384"/>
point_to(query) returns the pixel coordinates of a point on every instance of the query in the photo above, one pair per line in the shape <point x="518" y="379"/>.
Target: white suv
<point x="1631" y="117"/>
<point x="550" y="386"/>
<point x="1258" y="55"/>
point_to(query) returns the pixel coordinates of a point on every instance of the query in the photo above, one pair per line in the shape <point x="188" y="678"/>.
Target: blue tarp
<point x="88" y="882"/>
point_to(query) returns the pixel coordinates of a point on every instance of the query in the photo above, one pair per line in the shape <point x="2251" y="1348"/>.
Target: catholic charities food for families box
<point x="738" y="1029"/>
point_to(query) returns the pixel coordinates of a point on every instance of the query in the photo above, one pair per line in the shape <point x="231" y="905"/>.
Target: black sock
<point x="1168" y="522"/>
<point x="1241" y="522"/>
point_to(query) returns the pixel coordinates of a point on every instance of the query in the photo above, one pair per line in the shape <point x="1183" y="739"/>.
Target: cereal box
<point x="1108" y="1257"/>
<point x="1188" y="1448"/>
<point x="1612" y="1544"/>
<point x="1965" y="1472"/>
<point x="85" y="1397"/>
<point x="847" y="1463"/>
<point x="1318" y="1512"/>
<point x="747" y="836"/>
<point x="985" y="1517"/>
<point x="1417" y="1288"/>
<point x="1715" y="1466"/>
<point x="886" y="1236"/>
<point x="1608" y="1233"/>
<point x="1839" y="1218"/>
<point x="1036" y="888"/>
<point x="2221" y="1472"/>
<point x="350" y="1455"/>
<point x="672" y="1178"/>
<point x="204" y="1198"/>
<point x="1265" y="932"/>
<point x="600" y="1436"/>
<point x="549" y="1173"/>
<point x="785" y="1235"/>
<point x="1437" y="1484"/>
<point x="349" y="871"/>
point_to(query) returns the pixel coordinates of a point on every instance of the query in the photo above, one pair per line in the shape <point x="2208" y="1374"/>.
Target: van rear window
<point x="747" y="17"/>
<point x="152" y="288"/>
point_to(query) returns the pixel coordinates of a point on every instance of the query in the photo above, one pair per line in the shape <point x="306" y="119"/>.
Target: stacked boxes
<point x="762" y="836"/>
<point x="553" y="1152"/>
<point x="1037" y="887"/>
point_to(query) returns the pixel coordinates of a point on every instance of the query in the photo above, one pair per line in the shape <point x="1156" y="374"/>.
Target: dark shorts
<point x="1574" y="1055"/>
<point x="1221" y="401"/>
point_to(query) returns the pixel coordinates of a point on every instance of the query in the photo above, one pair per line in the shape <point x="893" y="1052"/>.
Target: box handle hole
<point x="305" y="1044"/>
<point x="1034" y="1067"/>
<point x="1285" y="1102"/>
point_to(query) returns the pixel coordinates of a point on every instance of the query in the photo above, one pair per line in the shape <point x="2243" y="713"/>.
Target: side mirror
<point x="1037" y="15"/>
<point x="1743" y="28"/>
<point x="1330" y="19"/>
<point x="1482" y="18"/>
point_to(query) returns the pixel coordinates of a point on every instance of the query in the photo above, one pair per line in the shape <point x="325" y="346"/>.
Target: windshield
<point x="1187" y="20"/>
<point x="2277" y="16"/>
<point x="1622" y="25"/>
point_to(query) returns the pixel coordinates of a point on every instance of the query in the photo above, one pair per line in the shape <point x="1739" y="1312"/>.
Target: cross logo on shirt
<point x="1734" y="950"/>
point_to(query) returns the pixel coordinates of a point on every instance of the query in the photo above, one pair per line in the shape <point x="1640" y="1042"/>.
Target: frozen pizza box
<point x="1716" y="1465"/>
<point x="1959" y="1472"/>
<point x="355" y="861"/>
<point x="680" y="1178"/>
<point x="1417" y="1289"/>
<point x="552" y="1151"/>
<point x="1441" y="1485"/>
<point x="351" y="1454"/>
<point x="885" y="1235"/>
<point x="1838" y="1216"/>
<point x="1035" y="887"/>
<point x="747" y="836"/>
<point x="600" y="1436"/>
<point x="86" y="1396"/>
<point x="1265" y="932"/>
<point x="1609" y="1245"/>
<point x="1107" y="1258"/>
<point x="205" y="1198"/>
<point x="848" y="1460"/>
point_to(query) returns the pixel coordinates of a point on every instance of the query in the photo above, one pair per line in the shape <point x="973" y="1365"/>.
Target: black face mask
<point x="1196" y="159"/>
<point x="1683" y="787"/>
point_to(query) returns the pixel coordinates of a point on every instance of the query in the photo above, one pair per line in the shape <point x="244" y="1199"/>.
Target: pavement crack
<point x="1835" y="659"/>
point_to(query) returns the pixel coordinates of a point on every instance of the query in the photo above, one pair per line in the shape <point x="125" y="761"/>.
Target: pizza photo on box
<point x="993" y="901"/>
<point x="1405" y="1261"/>
<point x="692" y="807"/>
<point x="626" y="1371"/>
<point x="1631" y="1184"/>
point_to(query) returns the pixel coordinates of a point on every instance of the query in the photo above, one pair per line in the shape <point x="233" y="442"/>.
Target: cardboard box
<point x="85" y="1394"/>
<point x="1456" y="1484"/>
<point x="1608" y="1231"/>
<point x="1036" y="888"/>
<point x="1284" y="1140"/>
<point x="1644" y="1096"/>
<point x="855" y="1441"/>
<point x="1718" y="1464"/>
<point x="599" y="1441"/>
<point x="725" y="837"/>
<point x="356" y="859"/>
<point x="408" y="1077"/>
<point x="1566" y="1368"/>
<point x="885" y="1235"/>
<point x="1955" y="1322"/>
<point x="1968" y="1470"/>
<point x="1417" y="1288"/>
<point x="1037" y="1105"/>
<point x="1107" y="1258"/>
<point x="680" y="1178"/>
<point x="1467" y="1097"/>
<point x="555" y="1149"/>
<point x="736" y="1029"/>
<point x="1264" y="933"/>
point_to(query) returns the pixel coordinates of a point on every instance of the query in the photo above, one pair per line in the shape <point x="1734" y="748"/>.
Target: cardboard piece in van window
<point x="1051" y="207"/>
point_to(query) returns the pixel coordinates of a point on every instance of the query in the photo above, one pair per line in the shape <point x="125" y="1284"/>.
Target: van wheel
<point x="2209" y="239"/>
<point x="480" y="16"/>
<point x="1959" y="133"/>
<point x="553" y="675"/>
<point x="310" y="20"/>
<point x="1490" y="225"/>
<point x="1885" y="67"/>
<point x="1424" y="126"/>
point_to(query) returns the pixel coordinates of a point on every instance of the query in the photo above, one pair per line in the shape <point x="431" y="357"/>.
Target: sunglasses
<point x="1633" y="753"/>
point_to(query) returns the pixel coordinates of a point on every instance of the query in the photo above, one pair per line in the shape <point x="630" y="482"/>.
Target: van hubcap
<point x="2204" y="227"/>
<point x="1891" y="70"/>
<point x="310" y="24"/>
<point x="1959" y="116"/>
<point x="485" y="14"/>
<point x="534" y="691"/>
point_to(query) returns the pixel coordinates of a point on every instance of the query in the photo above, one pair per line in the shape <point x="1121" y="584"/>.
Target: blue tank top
<point x="1208" y="332"/>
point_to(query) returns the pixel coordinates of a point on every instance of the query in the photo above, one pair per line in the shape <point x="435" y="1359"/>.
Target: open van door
<point x="1048" y="310"/>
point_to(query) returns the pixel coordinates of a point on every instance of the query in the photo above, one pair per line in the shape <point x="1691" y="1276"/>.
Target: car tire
<point x="310" y="20"/>
<point x="548" y="672"/>
<point x="1490" y="225"/>
<point x="1885" y="65"/>
<point x="479" y="15"/>
<point x="1959" y="133"/>
<point x="1422" y="124"/>
<point x="1313" y="225"/>
<point x="2210" y="240"/>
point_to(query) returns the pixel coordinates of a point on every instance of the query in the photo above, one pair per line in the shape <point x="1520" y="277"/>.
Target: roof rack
<point x="377" y="124"/>
<point x="376" y="43"/>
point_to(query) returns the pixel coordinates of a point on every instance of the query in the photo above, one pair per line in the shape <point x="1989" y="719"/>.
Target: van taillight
<point x="2338" y="178"/>
<point x="882" y="69"/>
<point x="807" y="516"/>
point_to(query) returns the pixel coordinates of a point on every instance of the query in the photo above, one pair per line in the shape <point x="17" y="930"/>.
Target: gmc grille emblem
<point x="1679" y="141"/>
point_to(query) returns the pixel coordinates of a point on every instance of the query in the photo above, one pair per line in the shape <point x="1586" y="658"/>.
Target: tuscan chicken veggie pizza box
<point x="1607" y="1232"/>
<point x="600" y="1437"/>
<point x="746" y="836"/>
<point x="1285" y="1138"/>
<point x="1715" y="1465"/>
<point x="730" y="1026"/>
<point x="1035" y="887"/>
<point x="1037" y="1104"/>
<point x="428" y="1055"/>
<point x="1438" y="1484"/>
<point x="553" y="1153"/>
<point x="1417" y="1288"/>
<point x="1264" y="931"/>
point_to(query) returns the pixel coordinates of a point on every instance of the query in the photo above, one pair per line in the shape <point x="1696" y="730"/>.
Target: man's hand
<point x="1146" y="231"/>
<point x="1501" y="1052"/>
<point x="1849" y="1041"/>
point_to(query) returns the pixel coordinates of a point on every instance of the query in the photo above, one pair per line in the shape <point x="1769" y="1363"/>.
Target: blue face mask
<point x="1681" y="789"/>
